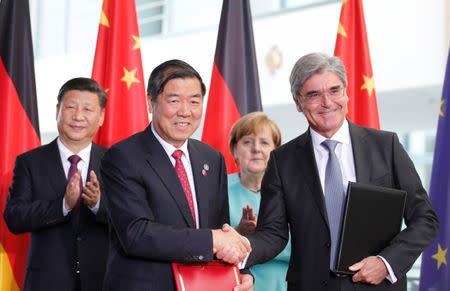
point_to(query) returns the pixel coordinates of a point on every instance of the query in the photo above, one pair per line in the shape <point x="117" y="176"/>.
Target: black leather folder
<point x="372" y="218"/>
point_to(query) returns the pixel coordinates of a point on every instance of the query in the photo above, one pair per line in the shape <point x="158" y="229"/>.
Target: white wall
<point x="408" y="41"/>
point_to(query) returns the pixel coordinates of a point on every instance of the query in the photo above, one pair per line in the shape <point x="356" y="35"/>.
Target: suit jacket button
<point x="200" y="258"/>
<point x="324" y="283"/>
<point x="79" y="238"/>
<point x="328" y="245"/>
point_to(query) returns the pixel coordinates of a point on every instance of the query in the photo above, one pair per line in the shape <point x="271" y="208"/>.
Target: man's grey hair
<point x="311" y="64"/>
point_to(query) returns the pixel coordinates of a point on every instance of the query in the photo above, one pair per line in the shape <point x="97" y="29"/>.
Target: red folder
<point x="206" y="276"/>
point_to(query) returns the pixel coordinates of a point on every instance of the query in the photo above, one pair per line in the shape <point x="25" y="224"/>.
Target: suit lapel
<point x="198" y="162"/>
<point x="57" y="177"/>
<point x="94" y="165"/>
<point x="360" y="153"/>
<point x="307" y="162"/>
<point x="94" y="161"/>
<point x="160" y="163"/>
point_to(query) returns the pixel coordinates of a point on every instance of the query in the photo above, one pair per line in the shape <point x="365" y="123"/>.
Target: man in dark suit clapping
<point x="56" y="195"/>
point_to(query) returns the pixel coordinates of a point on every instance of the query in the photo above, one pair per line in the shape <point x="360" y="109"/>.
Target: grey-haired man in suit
<point x="295" y="195"/>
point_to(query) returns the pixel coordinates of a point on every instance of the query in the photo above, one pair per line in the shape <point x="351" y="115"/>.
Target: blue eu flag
<point x="435" y="273"/>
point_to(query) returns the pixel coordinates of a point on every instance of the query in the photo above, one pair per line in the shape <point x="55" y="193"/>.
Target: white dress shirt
<point x="83" y="166"/>
<point x="344" y="153"/>
<point x="169" y="149"/>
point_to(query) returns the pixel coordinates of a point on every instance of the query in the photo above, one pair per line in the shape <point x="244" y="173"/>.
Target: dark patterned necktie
<point x="334" y="196"/>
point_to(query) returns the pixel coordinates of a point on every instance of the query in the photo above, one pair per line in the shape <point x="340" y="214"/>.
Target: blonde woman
<point x="252" y="139"/>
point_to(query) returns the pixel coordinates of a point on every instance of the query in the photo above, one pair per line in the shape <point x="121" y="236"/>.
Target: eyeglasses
<point x="333" y="93"/>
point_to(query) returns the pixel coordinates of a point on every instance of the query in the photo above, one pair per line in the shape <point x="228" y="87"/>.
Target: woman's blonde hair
<point x="253" y="123"/>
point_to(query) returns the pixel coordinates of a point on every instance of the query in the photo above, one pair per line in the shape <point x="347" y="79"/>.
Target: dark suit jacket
<point x="151" y="220"/>
<point x="292" y="194"/>
<point x="35" y="205"/>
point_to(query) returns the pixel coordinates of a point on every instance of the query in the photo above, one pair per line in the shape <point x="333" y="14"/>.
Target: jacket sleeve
<point x="272" y="232"/>
<point x="101" y="216"/>
<point x="421" y="221"/>
<point x="23" y="213"/>
<point x="128" y="201"/>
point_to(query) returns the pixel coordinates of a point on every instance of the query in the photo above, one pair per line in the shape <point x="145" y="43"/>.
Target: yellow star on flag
<point x="137" y="42"/>
<point x="440" y="256"/>
<point x="104" y="20"/>
<point x="441" y="109"/>
<point x="341" y="30"/>
<point x="369" y="84"/>
<point x="129" y="77"/>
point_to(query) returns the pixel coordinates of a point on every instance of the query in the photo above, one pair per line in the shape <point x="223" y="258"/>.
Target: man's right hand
<point x="229" y="246"/>
<point x="73" y="191"/>
<point x="371" y="270"/>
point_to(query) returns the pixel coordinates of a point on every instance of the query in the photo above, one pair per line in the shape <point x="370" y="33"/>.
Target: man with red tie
<point x="56" y="195"/>
<point x="166" y="193"/>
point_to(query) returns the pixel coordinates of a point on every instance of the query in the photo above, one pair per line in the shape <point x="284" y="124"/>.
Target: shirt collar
<point x="342" y="135"/>
<point x="65" y="153"/>
<point x="168" y="148"/>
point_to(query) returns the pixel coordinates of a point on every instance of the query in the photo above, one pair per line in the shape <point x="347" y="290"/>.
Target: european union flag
<point x="435" y="273"/>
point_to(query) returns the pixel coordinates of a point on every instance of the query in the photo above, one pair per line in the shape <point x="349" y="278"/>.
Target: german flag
<point x="19" y="125"/>
<point x="234" y="89"/>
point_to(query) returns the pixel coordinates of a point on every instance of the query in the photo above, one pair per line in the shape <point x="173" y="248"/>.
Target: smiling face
<point x="324" y="114"/>
<point x="177" y="110"/>
<point x="78" y="118"/>
<point x="252" y="151"/>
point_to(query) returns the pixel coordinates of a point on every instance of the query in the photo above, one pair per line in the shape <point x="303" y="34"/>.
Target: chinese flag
<point x="19" y="125"/>
<point x="118" y="69"/>
<point x="234" y="89"/>
<point x="353" y="48"/>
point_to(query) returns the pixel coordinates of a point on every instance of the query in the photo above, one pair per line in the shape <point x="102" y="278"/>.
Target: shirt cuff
<point x="64" y="209"/>
<point x="96" y="207"/>
<point x="391" y="276"/>
<point x="241" y="265"/>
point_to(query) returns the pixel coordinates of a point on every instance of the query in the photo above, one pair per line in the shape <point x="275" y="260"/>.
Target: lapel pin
<point x="205" y="169"/>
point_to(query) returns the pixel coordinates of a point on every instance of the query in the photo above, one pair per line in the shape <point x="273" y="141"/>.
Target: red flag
<point x="353" y="48"/>
<point x="234" y="87"/>
<point x="19" y="125"/>
<point x="118" y="69"/>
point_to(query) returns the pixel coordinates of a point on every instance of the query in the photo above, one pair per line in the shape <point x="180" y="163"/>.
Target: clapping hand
<point x="247" y="225"/>
<point x="91" y="191"/>
<point x="72" y="193"/>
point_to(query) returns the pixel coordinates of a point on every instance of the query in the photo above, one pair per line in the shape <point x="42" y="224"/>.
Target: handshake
<point x="229" y="245"/>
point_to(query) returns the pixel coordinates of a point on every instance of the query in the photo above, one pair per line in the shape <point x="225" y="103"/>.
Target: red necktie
<point x="181" y="173"/>
<point x="74" y="159"/>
